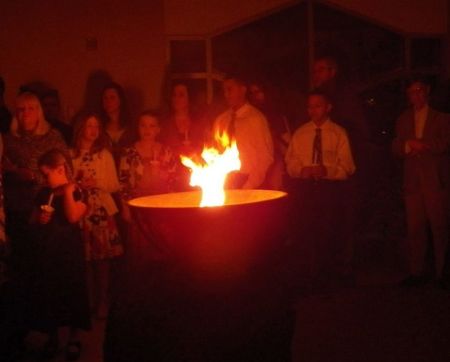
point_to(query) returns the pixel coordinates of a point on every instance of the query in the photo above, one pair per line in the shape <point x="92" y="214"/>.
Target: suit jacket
<point x="428" y="171"/>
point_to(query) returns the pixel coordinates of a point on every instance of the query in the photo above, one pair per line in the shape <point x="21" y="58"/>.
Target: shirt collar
<point x="423" y="112"/>
<point x="240" y="111"/>
<point x="323" y="125"/>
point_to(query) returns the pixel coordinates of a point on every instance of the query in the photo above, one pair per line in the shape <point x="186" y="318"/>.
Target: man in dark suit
<point x="422" y="140"/>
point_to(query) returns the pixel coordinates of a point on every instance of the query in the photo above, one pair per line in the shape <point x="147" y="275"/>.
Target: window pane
<point x="362" y="49"/>
<point x="425" y="53"/>
<point x="273" y="48"/>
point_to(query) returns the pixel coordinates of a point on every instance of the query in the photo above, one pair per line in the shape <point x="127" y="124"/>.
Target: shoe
<point x="413" y="281"/>
<point x="73" y="351"/>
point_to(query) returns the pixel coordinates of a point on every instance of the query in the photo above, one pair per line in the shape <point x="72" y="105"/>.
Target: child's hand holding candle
<point x="47" y="211"/>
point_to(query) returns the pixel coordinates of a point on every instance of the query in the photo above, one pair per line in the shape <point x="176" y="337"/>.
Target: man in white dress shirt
<point x="250" y="129"/>
<point x="320" y="161"/>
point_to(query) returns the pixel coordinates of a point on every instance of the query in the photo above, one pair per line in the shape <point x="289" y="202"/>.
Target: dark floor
<point x="376" y="321"/>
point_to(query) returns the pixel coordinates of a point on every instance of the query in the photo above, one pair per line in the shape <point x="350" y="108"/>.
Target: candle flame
<point x="210" y="175"/>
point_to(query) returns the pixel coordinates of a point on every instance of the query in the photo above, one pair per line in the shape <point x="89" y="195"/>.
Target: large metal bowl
<point x="212" y="241"/>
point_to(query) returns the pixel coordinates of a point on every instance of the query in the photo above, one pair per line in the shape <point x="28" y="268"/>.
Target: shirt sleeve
<point x="440" y="143"/>
<point x="399" y="145"/>
<point x="344" y="166"/>
<point x="293" y="161"/>
<point x="261" y="145"/>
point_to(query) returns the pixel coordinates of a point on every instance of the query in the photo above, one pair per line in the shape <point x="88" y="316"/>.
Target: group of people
<point x="67" y="218"/>
<point x="66" y="187"/>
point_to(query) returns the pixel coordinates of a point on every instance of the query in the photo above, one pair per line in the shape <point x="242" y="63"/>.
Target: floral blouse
<point x="140" y="176"/>
<point x="101" y="167"/>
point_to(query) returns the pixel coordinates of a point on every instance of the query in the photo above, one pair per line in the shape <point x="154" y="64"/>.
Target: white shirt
<point x="336" y="153"/>
<point x="420" y="118"/>
<point x="253" y="140"/>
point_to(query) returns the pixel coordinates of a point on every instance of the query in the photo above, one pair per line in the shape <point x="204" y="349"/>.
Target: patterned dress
<point x="140" y="176"/>
<point x="99" y="227"/>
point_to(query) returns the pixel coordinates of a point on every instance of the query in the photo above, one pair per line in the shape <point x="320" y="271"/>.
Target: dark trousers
<point x="321" y="226"/>
<point x="421" y="208"/>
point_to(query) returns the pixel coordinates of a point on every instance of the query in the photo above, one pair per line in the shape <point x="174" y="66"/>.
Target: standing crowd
<point x="66" y="187"/>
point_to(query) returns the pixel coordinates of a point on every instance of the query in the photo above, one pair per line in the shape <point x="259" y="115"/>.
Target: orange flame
<point x="211" y="174"/>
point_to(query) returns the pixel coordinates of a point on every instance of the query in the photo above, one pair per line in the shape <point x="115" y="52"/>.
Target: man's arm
<point x="345" y="165"/>
<point x="293" y="161"/>
<point x="261" y="146"/>
<point x="440" y="141"/>
<point x="400" y="147"/>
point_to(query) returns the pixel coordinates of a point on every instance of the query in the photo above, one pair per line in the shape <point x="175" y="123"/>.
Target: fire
<point x="211" y="174"/>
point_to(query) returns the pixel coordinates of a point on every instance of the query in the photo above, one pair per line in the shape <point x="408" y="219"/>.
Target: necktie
<point x="317" y="148"/>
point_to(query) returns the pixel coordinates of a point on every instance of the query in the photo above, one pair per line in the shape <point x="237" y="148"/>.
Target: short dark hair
<point x="330" y="60"/>
<point x="237" y="77"/>
<point x="320" y="93"/>
<point x="150" y="113"/>
<point x="417" y="78"/>
<point x="52" y="159"/>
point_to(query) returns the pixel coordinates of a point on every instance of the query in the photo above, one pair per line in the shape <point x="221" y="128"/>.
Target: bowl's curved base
<point x="218" y="242"/>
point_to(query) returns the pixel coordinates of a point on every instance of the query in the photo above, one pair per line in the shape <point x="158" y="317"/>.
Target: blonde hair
<point x="43" y="126"/>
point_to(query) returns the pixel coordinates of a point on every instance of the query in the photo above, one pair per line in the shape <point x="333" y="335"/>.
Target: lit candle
<point x="50" y="199"/>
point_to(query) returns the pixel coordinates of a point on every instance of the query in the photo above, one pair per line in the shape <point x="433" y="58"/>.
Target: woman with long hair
<point x="115" y="117"/>
<point x="183" y="130"/>
<point x="95" y="170"/>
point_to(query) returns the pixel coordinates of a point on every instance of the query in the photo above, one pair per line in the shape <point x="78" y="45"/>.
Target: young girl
<point x="96" y="173"/>
<point x="146" y="168"/>
<point x="58" y="284"/>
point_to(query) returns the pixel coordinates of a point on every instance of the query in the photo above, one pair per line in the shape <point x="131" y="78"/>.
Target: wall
<point x="200" y="17"/>
<point x="45" y="40"/>
<point x="409" y="16"/>
<point x="208" y="16"/>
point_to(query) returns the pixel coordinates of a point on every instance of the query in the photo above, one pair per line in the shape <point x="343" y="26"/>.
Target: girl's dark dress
<point x="58" y="292"/>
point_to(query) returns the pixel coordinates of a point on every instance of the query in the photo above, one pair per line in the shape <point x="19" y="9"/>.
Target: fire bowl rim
<point x="276" y="195"/>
